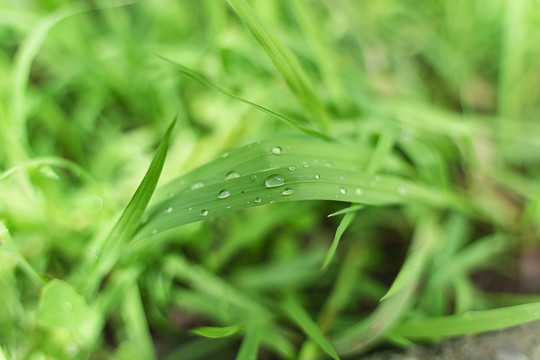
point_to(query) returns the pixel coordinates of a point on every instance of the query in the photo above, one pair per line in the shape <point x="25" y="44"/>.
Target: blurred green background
<point x="85" y="98"/>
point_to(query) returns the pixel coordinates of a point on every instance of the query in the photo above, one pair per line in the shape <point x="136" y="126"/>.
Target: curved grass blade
<point x="7" y="244"/>
<point x="284" y="60"/>
<point x="29" y="49"/>
<point x="470" y="322"/>
<point x="392" y="306"/>
<point x="129" y="220"/>
<point x="250" y="344"/>
<point x="295" y="311"/>
<point x="343" y="225"/>
<point x="347" y="210"/>
<point x="193" y="75"/>
<point x="264" y="173"/>
<point x="217" y="332"/>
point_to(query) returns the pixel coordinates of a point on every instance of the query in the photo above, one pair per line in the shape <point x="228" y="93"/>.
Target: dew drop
<point x="223" y="194"/>
<point x="276" y="150"/>
<point x="228" y="206"/>
<point x="204" y="212"/>
<point x="272" y="201"/>
<point x="169" y="210"/>
<point x="254" y="177"/>
<point x="328" y="165"/>
<point x="402" y="190"/>
<point x="274" y="181"/>
<point x="170" y="195"/>
<point x="317" y="176"/>
<point x="154" y="231"/>
<point x="343" y="191"/>
<point x="258" y="200"/>
<point x="232" y="175"/>
<point x="358" y="191"/>
<point x="197" y="185"/>
<point x="287" y="191"/>
<point x="292" y="168"/>
<point x="190" y="209"/>
<point x="306" y="165"/>
<point x="225" y="154"/>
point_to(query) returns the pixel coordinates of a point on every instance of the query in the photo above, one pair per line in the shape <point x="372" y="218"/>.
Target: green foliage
<point x="417" y="123"/>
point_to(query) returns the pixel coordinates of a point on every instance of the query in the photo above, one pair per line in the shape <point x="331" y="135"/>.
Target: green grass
<point x="340" y="176"/>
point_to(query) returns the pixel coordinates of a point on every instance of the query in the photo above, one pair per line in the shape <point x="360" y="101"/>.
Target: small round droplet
<point x="272" y="201"/>
<point x="328" y="164"/>
<point x="223" y="194"/>
<point x="190" y="209"/>
<point x="225" y="154"/>
<point x="254" y="177"/>
<point x="317" y="176"/>
<point x="402" y="190"/>
<point x="154" y="231"/>
<point x="169" y="210"/>
<point x="274" y="181"/>
<point x="204" y="212"/>
<point x="306" y="165"/>
<point x="170" y="195"/>
<point x="228" y="206"/>
<point x="276" y="150"/>
<point x="232" y="175"/>
<point x="343" y="191"/>
<point x="258" y="200"/>
<point x="292" y="168"/>
<point x="358" y="191"/>
<point x="197" y="185"/>
<point x="341" y="178"/>
<point x="287" y="191"/>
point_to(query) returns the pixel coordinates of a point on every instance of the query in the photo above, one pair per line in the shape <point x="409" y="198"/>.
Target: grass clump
<point x="410" y="129"/>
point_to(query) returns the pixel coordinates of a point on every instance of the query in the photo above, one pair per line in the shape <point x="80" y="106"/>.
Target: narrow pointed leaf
<point x="217" y="332"/>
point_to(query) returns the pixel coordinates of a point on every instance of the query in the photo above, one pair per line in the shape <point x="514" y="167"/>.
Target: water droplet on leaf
<point x="169" y="210"/>
<point x="223" y="194"/>
<point x="358" y="191"/>
<point x="232" y="175"/>
<point x="292" y="168"/>
<point x="197" y="185"/>
<point x="343" y="191"/>
<point x="276" y="150"/>
<point x="317" y="176"/>
<point x="274" y="181"/>
<point x="287" y="191"/>
<point x="204" y="212"/>
<point x="258" y="200"/>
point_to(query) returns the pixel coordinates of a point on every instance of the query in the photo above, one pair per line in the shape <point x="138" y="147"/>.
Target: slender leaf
<point x="193" y="75"/>
<point x="343" y="225"/>
<point x="469" y="322"/>
<point x="217" y="332"/>
<point x="285" y="62"/>
<point x="295" y="311"/>
<point x="129" y="220"/>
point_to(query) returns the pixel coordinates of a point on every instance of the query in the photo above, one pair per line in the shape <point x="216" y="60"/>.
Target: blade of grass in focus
<point x="284" y="60"/>
<point x="113" y="246"/>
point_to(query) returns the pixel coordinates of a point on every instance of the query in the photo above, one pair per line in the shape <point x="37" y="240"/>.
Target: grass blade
<point x="193" y="75"/>
<point x="217" y="332"/>
<point x="284" y="60"/>
<point x="293" y="309"/>
<point x="343" y="225"/>
<point x="250" y="345"/>
<point x="7" y="244"/>
<point x="129" y="220"/>
<point x="470" y="322"/>
<point x="398" y="299"/>
<point x="311" y="170"/>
